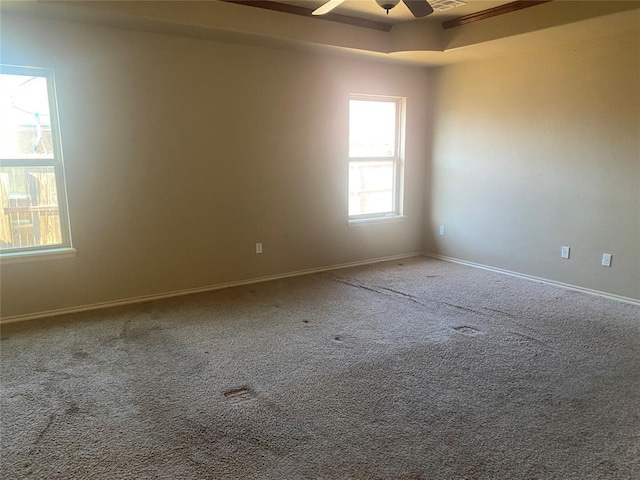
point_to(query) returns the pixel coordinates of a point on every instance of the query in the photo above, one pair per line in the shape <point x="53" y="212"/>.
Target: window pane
<point x="372" y="129"/>
<point x="29" y="214"/>
<point x="25" y="123"/>
<point x="370" y="187"/>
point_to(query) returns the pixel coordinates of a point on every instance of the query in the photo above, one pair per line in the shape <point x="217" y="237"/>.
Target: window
<point x="33" y="214"/>
<point x="375" y="157"/>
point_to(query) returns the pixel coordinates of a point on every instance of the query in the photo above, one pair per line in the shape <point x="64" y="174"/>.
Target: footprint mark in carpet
<point x="467" y="330"/>
<point x="240" y="395"/>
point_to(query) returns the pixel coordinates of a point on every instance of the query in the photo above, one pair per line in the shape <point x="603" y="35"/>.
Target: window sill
<point x="37" y="255"/>
<point x="387" y="219"/>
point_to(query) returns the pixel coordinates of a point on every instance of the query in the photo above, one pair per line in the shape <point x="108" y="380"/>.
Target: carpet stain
<point x="80" y="354"/>
<point x="608" y="466"/>
<point x="72" y="409"/>
<point x="467" y="330"/>
<point x="337" y="338"/>
<point x="240" y="395"/>
<point x="136" y="334"/>
<point x="215" y="447"/>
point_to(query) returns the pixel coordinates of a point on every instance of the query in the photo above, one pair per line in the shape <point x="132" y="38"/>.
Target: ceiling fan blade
<point x="327" y="7"/>
<point x="419" y="8"/>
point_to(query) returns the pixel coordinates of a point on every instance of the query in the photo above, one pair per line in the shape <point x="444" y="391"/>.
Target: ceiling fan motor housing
<point x="387" y="4"/>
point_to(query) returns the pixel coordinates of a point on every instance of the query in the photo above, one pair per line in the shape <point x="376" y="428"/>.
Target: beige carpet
<point x="417" y="369"/>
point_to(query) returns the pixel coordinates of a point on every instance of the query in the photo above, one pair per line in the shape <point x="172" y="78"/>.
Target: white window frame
<point x="396" y="211"/>
<point x="65" y="248"/>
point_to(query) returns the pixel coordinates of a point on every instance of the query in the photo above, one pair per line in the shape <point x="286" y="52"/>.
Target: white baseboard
<point x="150" y="298"/>
<point x="160" y="296"/>
<point x="568" y="286"/>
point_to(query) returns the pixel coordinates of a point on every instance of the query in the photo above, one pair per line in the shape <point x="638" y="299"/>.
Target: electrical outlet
<point x="606" y="259"/>
<point x="258" y="248"/>
<point x="441" y="229"/>
<point x="564" y="252"/>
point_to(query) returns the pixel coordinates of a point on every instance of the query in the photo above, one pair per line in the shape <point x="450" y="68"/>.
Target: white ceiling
<point x="420" y="42"/>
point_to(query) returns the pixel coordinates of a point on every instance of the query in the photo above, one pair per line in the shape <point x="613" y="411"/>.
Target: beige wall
<point x="539" y="150"/>
<point x="182" y="153"/>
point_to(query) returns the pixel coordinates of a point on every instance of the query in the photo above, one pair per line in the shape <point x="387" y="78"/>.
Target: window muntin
<point x="33" y="214"/>
<point x="375" y="156"/>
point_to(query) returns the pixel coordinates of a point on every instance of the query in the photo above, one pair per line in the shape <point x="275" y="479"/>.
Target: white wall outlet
<point x="564" y="252"/>
<point x="441" y="229"/>
<point x="606" y="259"/>
<point x="258" y="248"/>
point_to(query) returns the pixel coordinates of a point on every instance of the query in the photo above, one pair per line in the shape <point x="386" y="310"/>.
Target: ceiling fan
<point x="419" y="8"/>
